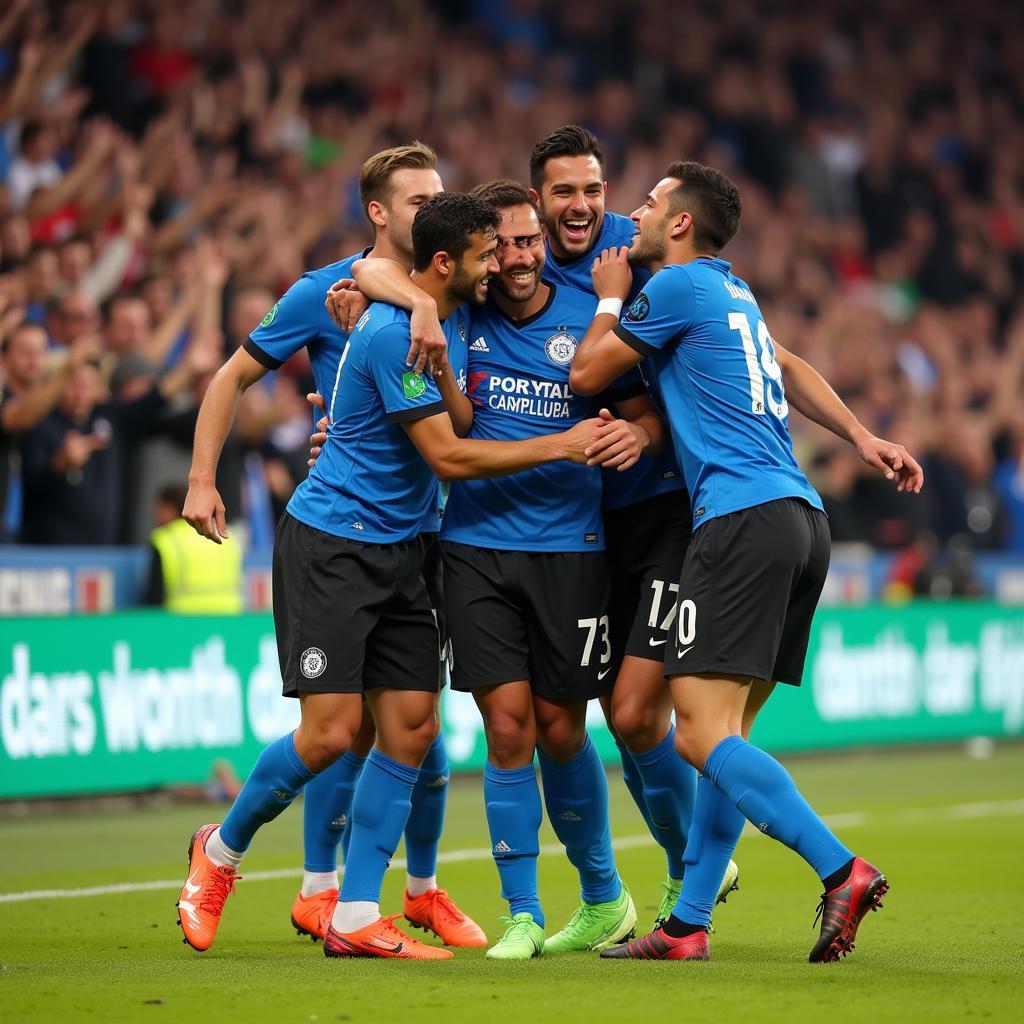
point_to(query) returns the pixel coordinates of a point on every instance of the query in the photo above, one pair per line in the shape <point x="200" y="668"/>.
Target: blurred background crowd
<point x="168" y="169"/>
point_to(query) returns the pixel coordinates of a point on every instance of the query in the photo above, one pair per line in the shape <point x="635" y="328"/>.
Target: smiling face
<point x="572" y="202"/>
<point x="653" y="225"/>
<point x="520" y="253"/>
<point x="473" y="271"/>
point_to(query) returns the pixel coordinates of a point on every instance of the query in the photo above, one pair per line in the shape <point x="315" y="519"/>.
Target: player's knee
<point x="561" y="738"/>
<point x="639" y="725"/>
<point x="421" y="736"/>
<point x="510" y="740"/>
<point x="321" y="745"/>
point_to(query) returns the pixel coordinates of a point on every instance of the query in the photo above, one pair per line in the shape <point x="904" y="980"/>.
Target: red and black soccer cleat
<point x="843" y="909"/>
<point x="657" y="945"/>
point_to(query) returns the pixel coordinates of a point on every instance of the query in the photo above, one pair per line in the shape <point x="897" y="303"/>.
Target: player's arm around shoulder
<point x="601" y="356"/>
<point x="384" y="280"/>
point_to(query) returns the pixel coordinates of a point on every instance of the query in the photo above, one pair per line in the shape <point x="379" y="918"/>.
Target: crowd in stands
<point x="167" y="170"/>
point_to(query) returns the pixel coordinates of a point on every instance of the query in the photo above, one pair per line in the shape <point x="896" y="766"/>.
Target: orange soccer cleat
<point x="381" y="939"/>
<point x="434" y="911"/>
<point x="311" y="915"/>
<point x="204" y="893"/>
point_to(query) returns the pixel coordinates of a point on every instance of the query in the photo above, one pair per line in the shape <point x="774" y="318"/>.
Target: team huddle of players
<point x="573" y="561"/>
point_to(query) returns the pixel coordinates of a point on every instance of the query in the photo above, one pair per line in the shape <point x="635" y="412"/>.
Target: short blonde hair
<point x="375" y="176"/>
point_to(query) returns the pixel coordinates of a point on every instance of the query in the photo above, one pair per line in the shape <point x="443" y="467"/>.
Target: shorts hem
<point x="341" y="688"/>
<point x="569" y="698"/>
<point x="417" y="686"/>
<point x="464" y="686"/>
<point x="726" y="670"/>
<point x="646" y="653"/>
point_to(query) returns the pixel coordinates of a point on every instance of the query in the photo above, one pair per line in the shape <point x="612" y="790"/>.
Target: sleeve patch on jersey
<point x="271" y="315"/>
<point x="640" y="309"/>
<point x="413" y="384"/>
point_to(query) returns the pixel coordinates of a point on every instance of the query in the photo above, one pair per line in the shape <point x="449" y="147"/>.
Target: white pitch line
<point x="853" y="819"/>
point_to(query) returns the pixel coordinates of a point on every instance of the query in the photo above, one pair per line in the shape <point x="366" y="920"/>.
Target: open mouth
<point x="577" y="228"/>
<point x="521" y="276"/>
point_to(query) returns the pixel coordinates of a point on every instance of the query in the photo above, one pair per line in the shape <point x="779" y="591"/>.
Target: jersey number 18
<point x="760" y="391"/>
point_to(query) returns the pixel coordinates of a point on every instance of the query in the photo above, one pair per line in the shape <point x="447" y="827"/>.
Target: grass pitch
<point x="946" y="829"/>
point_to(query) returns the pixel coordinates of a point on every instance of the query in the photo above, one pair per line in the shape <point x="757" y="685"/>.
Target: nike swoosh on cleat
<point x="190" y="910"/>
<point x="390" y="947"/>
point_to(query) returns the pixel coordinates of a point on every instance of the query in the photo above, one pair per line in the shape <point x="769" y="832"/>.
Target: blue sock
<point x="276" y="779"/>
<point x="670" y="785"/>
<point x="576" y="796"/>
<point x="513" y="807"/>
<point x="635" y="785"/>
<point x="764" y="792"/>
<point x="326" y="809"/>
<point x="380" y="810"/>
<point x="714" y="833"/>
<point x="426" y="819"/>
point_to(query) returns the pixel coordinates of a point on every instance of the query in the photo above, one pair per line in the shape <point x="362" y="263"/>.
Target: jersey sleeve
<point x="292" y="323"/>
<point x="406" y="394"/>
<point x="660" y="313"/>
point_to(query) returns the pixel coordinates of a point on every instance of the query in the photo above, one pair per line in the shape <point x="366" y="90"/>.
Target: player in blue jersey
<point x="350" y="542"/>
<point x="526" y="585"/>
<point x="393" y="184"/>
<point x="755" y="568"/>
<point x="646" y="522"/>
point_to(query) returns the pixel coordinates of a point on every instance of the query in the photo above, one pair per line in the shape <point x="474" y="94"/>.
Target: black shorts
<point x="747" y="593"/>
<point x="433" y="577"/>
<point x="538" y="616"/>
<point x="645" y="544"/>
<point x="351" y="616"/>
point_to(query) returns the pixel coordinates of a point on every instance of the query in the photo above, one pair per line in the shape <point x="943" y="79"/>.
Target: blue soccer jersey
<point x="723" y="390"/>
<point x="299" y="320"/>
<point x="652" y="475"/>
<point x="519" y="385"/>
<point x="616" y="231"/>
<point x="370" y="483"/>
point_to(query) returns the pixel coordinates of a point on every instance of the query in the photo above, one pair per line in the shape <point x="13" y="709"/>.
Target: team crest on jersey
<point x="313" y="662"/>
<point x="640" y="309"/>
<point x="413" y="384"/>
<point x="271" y="315"/>
<point x="560" y="348"/>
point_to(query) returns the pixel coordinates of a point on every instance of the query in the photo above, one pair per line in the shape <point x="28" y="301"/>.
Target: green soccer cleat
<point x="730" y="883"/>
<point x="596" y="926"/>
<point x="523" y="940"/>
<point x="673" y="887"/>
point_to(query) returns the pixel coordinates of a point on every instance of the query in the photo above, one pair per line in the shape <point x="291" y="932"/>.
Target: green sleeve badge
<point x="413" y="385"/>
<point x="271" y="316"/>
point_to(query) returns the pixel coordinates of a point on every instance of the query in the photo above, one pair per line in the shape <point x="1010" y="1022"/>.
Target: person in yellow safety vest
<point x="189" y="575"/>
